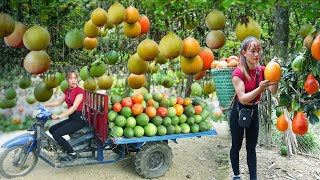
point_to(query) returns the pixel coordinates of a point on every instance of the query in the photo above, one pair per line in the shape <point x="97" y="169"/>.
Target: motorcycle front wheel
<point x="11" y="162"/>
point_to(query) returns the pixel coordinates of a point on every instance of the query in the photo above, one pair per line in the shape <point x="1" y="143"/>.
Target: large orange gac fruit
<point x="273" y="71"/>
<point x="300" y="123"/>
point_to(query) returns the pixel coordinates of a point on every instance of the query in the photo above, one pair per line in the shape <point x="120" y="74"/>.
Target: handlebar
<point x="41" y="113"/>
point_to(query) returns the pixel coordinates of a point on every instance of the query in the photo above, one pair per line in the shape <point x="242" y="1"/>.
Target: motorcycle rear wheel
<point x="10" y="158"/>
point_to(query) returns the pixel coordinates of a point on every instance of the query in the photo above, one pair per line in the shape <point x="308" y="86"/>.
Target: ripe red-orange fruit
<point x="191" y="47"/>
<point x="311" y="86"/>
<point x="145" y="24"/>
<point x="207" y="58"/>
<point x="282" y="123"/>
<point x="300" y="123"/>
<point x="273" y="71"/>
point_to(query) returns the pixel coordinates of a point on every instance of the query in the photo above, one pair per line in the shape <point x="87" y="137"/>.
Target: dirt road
<point x="197" y="158"/>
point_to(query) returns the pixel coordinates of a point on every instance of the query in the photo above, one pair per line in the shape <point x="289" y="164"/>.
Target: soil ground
<point x="195" y="158"/>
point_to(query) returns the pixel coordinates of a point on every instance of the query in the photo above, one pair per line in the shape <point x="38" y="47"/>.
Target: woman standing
<point x="73" y="96"/>
<point x="249" y="83"/>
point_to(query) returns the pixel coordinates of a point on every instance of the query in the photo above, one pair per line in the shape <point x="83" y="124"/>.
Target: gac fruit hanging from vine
<point x="145" y="24"/>
<point x="282" y="123"/>
<point x="207" y="57"/>
<point x="15" y="39"/>
<point x="311" y="86"/>
<point x="191" y="47"/>
<point x="273" y="71"/>
<point x="300" y="123"/>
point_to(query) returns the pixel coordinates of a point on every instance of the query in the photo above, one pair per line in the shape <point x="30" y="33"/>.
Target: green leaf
<point x="313" y="119"/>
<point x="226" y="3"/>
<point x="285" y="100"/>
<point x="315" y="71"/>
<point x="295" y="106"/>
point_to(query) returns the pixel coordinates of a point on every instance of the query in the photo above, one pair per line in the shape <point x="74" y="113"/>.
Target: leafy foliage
<point x="293" y="95"/>
<point x="186" y="18"/>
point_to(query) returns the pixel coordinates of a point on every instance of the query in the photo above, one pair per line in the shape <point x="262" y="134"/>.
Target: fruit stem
<point x="299" y="94"/>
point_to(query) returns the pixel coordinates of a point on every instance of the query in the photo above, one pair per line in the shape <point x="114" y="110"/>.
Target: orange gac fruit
<point x="207" y="58"/>
<point x="151" y="111"/>
<point x="136" y="81"/>
<point x="150" y="102"/>
<point x="137" y="109"/>
<point x="127" y="101"/>
<point x="15" y="39"/>
<point x="180" y="100"/>
<point x="300" y="123"/>
<point x="191" y="47"/>
<point x="162" y="111"/>
<point x="132" y="15"/>
<point x="179" y="109"/>
<point x="198" y="109"/>
<point x="90" y="43"/>
<point x="145" y="24"/>
<point x="273" y="71"/>
<point x="137" y="98"/>
<point x="282" y="123"/>
<point x="187" y="102"/>
<point x="191" y="66"/>
<point x="117" y="107"/>
<point x="233" y="63"/>
<point x="311" y="86"/>
<point x="132" y="30"/>
<point x="200" y="75"/>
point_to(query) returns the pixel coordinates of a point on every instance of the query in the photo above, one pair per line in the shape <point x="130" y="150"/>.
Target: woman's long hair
<point x="245" y="45"/>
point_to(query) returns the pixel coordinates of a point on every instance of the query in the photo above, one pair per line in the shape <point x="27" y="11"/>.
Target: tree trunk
<point x="281" y="31"/>
<point x="188" y="86"/>
<point x="281" y="39"/>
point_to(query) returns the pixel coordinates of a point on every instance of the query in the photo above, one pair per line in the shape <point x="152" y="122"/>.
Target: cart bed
<point x="159" y="138"/>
